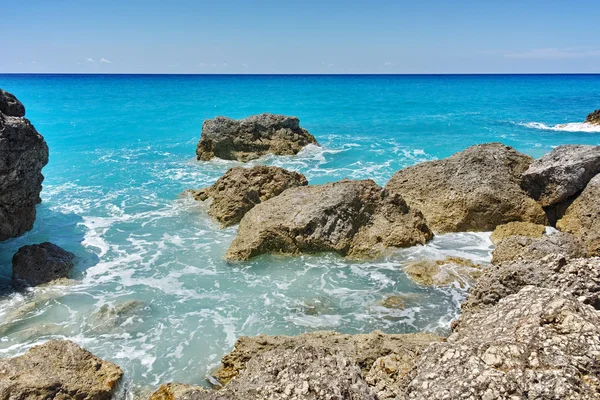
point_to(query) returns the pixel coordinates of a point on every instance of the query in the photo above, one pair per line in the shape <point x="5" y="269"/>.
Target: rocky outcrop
<point x="562" y="173"/>
<point x="593" y="118"/>
<point x="41" y="263"/>
<point x="528" y="248"/>
<point x="517" y="228"/>
<point x="474" y="190"/>
<point x="23" y="154"/>
<point x="240" y="189"/>
<point x="180" y="391"/>
<point x="352" y="218"/>
<point x="58" y="369"/>
<point x="252" y="137"/>
<point x="582" y="218"/>
<point x="444" y="272"/>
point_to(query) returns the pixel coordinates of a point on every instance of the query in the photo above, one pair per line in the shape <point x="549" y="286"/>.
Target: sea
<point x="151" y="290"/>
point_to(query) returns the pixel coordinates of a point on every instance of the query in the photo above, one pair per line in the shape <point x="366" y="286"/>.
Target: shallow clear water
<point x="122" y="150"/>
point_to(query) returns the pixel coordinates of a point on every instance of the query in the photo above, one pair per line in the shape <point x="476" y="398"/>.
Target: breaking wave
<point x="568" y="127"/>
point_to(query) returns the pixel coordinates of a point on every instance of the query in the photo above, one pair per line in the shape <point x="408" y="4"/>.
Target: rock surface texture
<point x="352" y="218"/>
<point x="562" y="173"/>
<point x="517" y="228"/>
<point x="474" y="190"/>
<point x="528" y="248"/>
<point x="582" y="218"/>
<point x="593" y="118"/>
<point x="252" y="137"/>
<point x="444" y="272"/>
<point x="240" y="189"/>
<point x="23" y="154"/>
<point x="41" y="263"/>
<point x="58" y="369"/>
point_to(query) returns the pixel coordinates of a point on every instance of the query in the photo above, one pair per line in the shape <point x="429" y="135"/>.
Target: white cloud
<point x="104" y="60"/>
<point x="554" y="53"/>
<point x="388" y="63"/>
<point x="90" y="60"/>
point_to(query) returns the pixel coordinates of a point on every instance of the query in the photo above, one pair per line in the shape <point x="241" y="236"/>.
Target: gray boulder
<point x="23" y="154"/>
<point x="41" y="263"/>
<point x="562" y="173"/>
<point x="527" y="248"/>
<point x="474" y="190"/>
<point x="352" y="218"/>
<point x="58" y="369"/>
<point x="593" y="118"/>
<point x="252" y="137"/>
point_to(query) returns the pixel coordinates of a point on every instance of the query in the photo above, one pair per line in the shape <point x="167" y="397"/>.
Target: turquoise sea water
<point x="122" y="150"/>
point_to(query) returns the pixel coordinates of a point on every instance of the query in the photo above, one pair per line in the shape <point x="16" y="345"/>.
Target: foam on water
<point x="568" y="127"/>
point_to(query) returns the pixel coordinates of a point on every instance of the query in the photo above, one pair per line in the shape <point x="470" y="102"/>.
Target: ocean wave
<point x="568" y="127"/>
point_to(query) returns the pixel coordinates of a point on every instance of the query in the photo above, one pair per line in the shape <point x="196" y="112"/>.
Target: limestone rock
<point x="474" y="190"/>
<point x="252" y="137"/>
<point x="562" y="173"/>
<point x="240" y="189"/>
<point x="593" y="118"/>
<point x="58" y="369"/>
<point x="179" y="391"/>
<point x="582" y="218"/>
<point x="528" y="248"/>
<point x="517" y="228"/>
<point x="23" y="154"/>
<point x="41" y="263"/>
<point x="444" y="272"/>
<point x="352" y="218"/>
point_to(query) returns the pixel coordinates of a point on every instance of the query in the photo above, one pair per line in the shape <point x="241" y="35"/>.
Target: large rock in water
<point x="240" y="189"/>
<point x="582" y="218"/>
<point x="41" y="263"/>
<point x="58" y="369"/>
<point x="23" y="154"/>
<point x="593" y="118"/>
<point x="474" y="190"/>
<point x="353" y="218"/>
<point x="252" y="137"/>
<point x="562" y="173"/>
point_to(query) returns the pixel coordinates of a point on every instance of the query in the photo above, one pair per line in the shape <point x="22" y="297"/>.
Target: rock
<point x="111" y="317"/>
<point x="179" y="391"/>
<point x="396" y="302"/>
<point x="240" y="189"/>
<point x="474" y="190"/>
<point x="517" y="228"/>
<point x="582" y="218"/>
<point x="252" y="137"/>
<point x="352" y="218"/>
<point x="444" y="272"/>
<point x="41" y="263"/>
<point x="579" y="278"/>
<point x="535" y="344"/>
<point x="23" y="154"/>
<point x="527" y="248"/>
<point x="562" y="173"/>
<point x="593" y="118"/>
<point x="58" y="369"/>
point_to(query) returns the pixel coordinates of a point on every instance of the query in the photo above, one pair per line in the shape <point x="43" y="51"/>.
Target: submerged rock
<point x="562" y="173"/>
<point x="517" y="228"/>
<point x="528" y="248"/>
<point x="593" y="118"/>
<point x="252" y="137"/>
<point x="58" y="369"/>
<point x="352" y="218"/>
<point x="443" y="272"/>
<point x="240" y="189"/>
<point x="41" y="263"/>
<point x="397" y="302"/>
<point x="582" y="218"/>
<point x="474" y="190"/>
<point x="23" y="154"/>
<point x="111" y="317"/>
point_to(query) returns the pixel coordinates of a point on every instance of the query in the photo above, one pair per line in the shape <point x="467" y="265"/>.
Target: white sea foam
<point x="568" y="127"/>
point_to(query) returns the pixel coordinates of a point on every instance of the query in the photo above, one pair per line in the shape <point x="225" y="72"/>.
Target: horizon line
<point x="303" y="74"/>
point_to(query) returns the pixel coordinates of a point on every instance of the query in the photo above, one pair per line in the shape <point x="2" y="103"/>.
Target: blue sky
<point x="309" y="36"/>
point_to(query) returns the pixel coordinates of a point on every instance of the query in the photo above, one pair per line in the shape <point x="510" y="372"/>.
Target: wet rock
<point x="179" y="391"/>
<point x="528" y="248"/>
<point x="112" y="317"/>
<point x="579" y="278"/>
<point x="396" y="302"/>
<point x="352" y="218"/>
<point x="58" y="369"/>
<point x="444" y="272"/>
<point x="23" y="154"/>
<point x="474" y="190"/>
<point x="593" y="118"/>
<point x="517" y="228"/>
<point x="41" y="263"/>
<point x="252" y="137"/>
<point x="535" y="344"/>
<point x="582" y="218"/>
<point x="240" y="189"/>
<point x="562" y="173"/>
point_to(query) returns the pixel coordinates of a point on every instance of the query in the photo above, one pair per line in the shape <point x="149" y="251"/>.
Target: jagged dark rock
<point x="41" y="263"/>
<point x="10" y="106"/>
<point x="593" y="118"/>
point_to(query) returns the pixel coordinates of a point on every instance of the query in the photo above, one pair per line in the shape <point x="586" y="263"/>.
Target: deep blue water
<point x="122" y="149"/>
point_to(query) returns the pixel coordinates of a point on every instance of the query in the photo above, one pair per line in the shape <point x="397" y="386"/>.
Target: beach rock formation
<point x="240" y="189"/>
<point x="582" y="218"/>
<point x="252" y="137"/>
<point x="41" y="263"/>
<point x="352" y="218"/>
<point x="444" y="272"/>
<point x="593" y="118"/>
<point x="474" y="190"/>
<point x="58" y="369"/>
<point x="517" y="228"/>
<point x="528" y="248"/>
<point x="23" y="154"/>
<point x="562" y="173"/>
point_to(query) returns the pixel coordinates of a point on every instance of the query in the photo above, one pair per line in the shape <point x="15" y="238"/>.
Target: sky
<point x="305" y="37"/>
